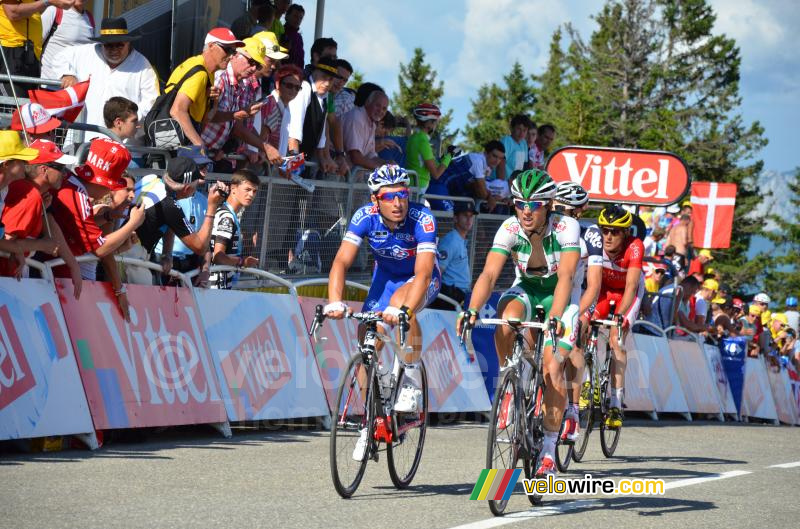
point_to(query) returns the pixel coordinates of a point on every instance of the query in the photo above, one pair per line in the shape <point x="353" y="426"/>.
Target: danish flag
<point x="712" y="212"/>
<point x="66" y="104"/>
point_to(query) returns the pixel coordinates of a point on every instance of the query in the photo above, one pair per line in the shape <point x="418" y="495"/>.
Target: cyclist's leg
<point x="399" y="298"/>
<point x="514" y="303"/>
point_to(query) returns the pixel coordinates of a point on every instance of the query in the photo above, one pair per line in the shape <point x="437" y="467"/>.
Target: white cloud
<point x="499" y="32"/>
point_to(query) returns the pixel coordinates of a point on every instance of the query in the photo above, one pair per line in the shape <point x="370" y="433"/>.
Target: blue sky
<point x="472" y="42"/>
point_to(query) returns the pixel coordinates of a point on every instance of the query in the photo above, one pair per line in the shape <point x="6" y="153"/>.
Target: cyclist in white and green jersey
<point x="545" y="249"/>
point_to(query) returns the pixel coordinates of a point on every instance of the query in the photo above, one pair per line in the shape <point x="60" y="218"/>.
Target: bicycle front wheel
<point x="405" y="452"/>
<point x="586" y="422"/>
<point x="352" y="418"/>
<point x="563" y="451"/>
<point x="609" y="437"/>
<point x="503" y="444"/>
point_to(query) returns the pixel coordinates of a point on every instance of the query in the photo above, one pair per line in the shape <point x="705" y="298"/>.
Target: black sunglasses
<point x="113" y="44"/>
<point x="57" y="166"/>
<point x="229" y="50"/>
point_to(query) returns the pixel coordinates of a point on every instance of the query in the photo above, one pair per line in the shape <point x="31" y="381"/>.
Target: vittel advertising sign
<point x="622" y="176"/>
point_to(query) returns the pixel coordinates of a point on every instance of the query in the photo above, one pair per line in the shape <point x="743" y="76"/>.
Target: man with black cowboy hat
<point x="115" y="68"/>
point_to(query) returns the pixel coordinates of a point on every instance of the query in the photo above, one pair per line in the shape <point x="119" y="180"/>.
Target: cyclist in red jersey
<point x="624" y="285"/>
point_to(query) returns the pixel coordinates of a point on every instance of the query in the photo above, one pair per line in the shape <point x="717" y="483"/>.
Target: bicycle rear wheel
<point x="586" y="422"/>
<point x="404" y="453"/>
<point x="503" y="444"/>
<point x="352" y="414"/>
<point x="536" y="438"/>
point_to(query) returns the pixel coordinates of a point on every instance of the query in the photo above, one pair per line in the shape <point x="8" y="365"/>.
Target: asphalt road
<point x="280" y="478"/>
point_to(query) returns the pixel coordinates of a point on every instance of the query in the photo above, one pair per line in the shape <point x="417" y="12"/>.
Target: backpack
<point x="160" y="129"/>
<point x="57" y="22"/>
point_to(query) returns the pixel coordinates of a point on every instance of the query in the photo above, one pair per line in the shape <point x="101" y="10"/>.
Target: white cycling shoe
<point x="361" y="446"/>
<point x="409" y="400"/>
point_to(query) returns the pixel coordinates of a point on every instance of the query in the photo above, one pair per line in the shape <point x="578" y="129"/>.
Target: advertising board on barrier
<point x="483" y="342"/>
<point x="757" y="398"/>
<point x="696" y="378"/>
<point x="262" y="355"/>
<point x="455" y="384"/>
<point x="732" y="352"/>
<point x="720" y="378"/>
<point x="155" y="370"/>
<point x="665" y="384"/>
<point x="782" y="394"/>
<point x="626" y="176"/>
<point x="40" y="389"/>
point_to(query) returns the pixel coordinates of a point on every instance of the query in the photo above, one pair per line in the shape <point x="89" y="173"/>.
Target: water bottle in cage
<point x="385" y="380"/>
<point x="525" y="374"/>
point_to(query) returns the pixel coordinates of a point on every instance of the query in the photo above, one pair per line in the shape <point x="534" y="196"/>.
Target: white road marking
<point x="548" y="510"/>
<point x="786" y="465"/>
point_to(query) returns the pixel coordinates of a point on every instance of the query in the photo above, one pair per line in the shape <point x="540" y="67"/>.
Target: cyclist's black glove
<point x="453" y="151"/>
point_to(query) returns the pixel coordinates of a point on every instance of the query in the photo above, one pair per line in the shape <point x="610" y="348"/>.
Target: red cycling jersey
<point x="615" y="271"/>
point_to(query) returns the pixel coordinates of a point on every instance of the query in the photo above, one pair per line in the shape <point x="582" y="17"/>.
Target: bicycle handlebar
<point x="361" y="317"/>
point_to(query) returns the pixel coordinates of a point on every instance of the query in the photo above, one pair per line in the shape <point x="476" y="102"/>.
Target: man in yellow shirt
<point x="191" y="103"/>
<point x="21" y="38"/>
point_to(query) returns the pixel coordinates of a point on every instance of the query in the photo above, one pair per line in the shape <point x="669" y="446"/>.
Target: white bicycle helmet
<point x="388" y="175"/>
<point x="427" y="112"/>
<point x="571" y="194"/>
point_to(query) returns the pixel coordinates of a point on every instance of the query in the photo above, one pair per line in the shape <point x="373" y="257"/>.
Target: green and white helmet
<point x="533" y="184"/>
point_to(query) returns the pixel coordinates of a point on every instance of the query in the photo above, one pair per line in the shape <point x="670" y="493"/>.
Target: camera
<point x="223" y="191"/>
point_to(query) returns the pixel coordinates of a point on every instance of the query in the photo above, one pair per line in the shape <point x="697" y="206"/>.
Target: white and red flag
<point x="712" y="213"/>
<point x="66" y="104"/>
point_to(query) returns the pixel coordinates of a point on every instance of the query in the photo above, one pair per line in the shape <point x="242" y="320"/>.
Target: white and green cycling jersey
<point x="536" y="258"/>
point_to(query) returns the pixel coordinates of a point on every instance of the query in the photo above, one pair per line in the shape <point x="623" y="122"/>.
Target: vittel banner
<point x="155" y="370"/>
<point x="40" y="390"/>
<point x="262" y="355"/>
<point x="622" y="176"/>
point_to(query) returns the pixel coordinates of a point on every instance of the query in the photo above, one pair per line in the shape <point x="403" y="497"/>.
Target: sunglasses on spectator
<point x="289" y="86"/>
<point x="389" y="196"/>
<point x="113" y="44"/>
<point x="57" y="166"/>
<point x="659" y="271"/>
<point x="613" y="231"/>
<point x="229" y="50"/>
<point x="533" y="205"/>
<point x="251" y="62"/>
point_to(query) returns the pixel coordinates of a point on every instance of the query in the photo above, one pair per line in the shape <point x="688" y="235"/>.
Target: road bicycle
<point x="365" y="400"/>
<point x="516" y="424"/>
<point x="595" y="395"/>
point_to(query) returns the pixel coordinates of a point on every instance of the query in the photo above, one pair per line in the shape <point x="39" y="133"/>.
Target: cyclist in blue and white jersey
<point x="571" y="200"/>
<point x="406" y="279"/>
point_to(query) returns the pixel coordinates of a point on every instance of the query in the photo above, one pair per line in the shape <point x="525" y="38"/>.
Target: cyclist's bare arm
<point x="486" y="281"/>
<point x="631" y="286"/>
<point x="423" y="270"/>
<point x="567" y="264"/>
<point x="594" y="278"/>
<point x="336" y="280"/>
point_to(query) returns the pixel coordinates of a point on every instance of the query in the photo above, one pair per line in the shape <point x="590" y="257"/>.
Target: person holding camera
<point x="164" y="218"/>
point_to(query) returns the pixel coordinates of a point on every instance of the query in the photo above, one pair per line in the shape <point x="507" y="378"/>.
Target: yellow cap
<point x="718" y="301"/>
<point x="709" y="270"/>
<point x="705" y="253"/>
<point x="755" y="310"/>
<point x="12" y="148"/>
<point x="686" y="202"/>
<point x="254" y="48"/>
<point x="711" y="284"/>
<point x="781" y="317"/>
<point x="271" y="38"/>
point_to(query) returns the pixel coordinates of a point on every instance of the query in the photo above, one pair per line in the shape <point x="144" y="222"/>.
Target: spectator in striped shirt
<point x="275" y="112"/>
<point x="235" y="102"/>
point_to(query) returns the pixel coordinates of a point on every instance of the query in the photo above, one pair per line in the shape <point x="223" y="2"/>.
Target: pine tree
<point x="494" y="107"/>
<point x="654" y="76"/>
<point x="417" y="84"/>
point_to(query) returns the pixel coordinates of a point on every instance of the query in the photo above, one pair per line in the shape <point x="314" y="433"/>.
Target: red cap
<point x="34" y="118"/>
<point x="738" y="303"/>
<point x="49" y="152"/>
<point x="223" y="36"/>
<point x="106" y="162"/>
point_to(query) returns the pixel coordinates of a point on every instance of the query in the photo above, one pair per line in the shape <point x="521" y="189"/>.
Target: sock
<point x="549" y="443"/>
<point x="620" y="394"/>
<point x="573" y="409"/>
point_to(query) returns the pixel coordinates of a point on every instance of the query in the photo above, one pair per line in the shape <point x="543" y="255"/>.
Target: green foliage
<point x="417" y="84"/>
<point x="653" y="75"/>
<point x="356" y="80"/>
<point x="494" y="107"/>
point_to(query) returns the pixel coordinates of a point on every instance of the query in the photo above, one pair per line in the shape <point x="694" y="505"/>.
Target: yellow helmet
<point x="615" y="217"/>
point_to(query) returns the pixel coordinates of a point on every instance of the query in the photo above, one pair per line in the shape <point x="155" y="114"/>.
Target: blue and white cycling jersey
<point x="395" y="251"/>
